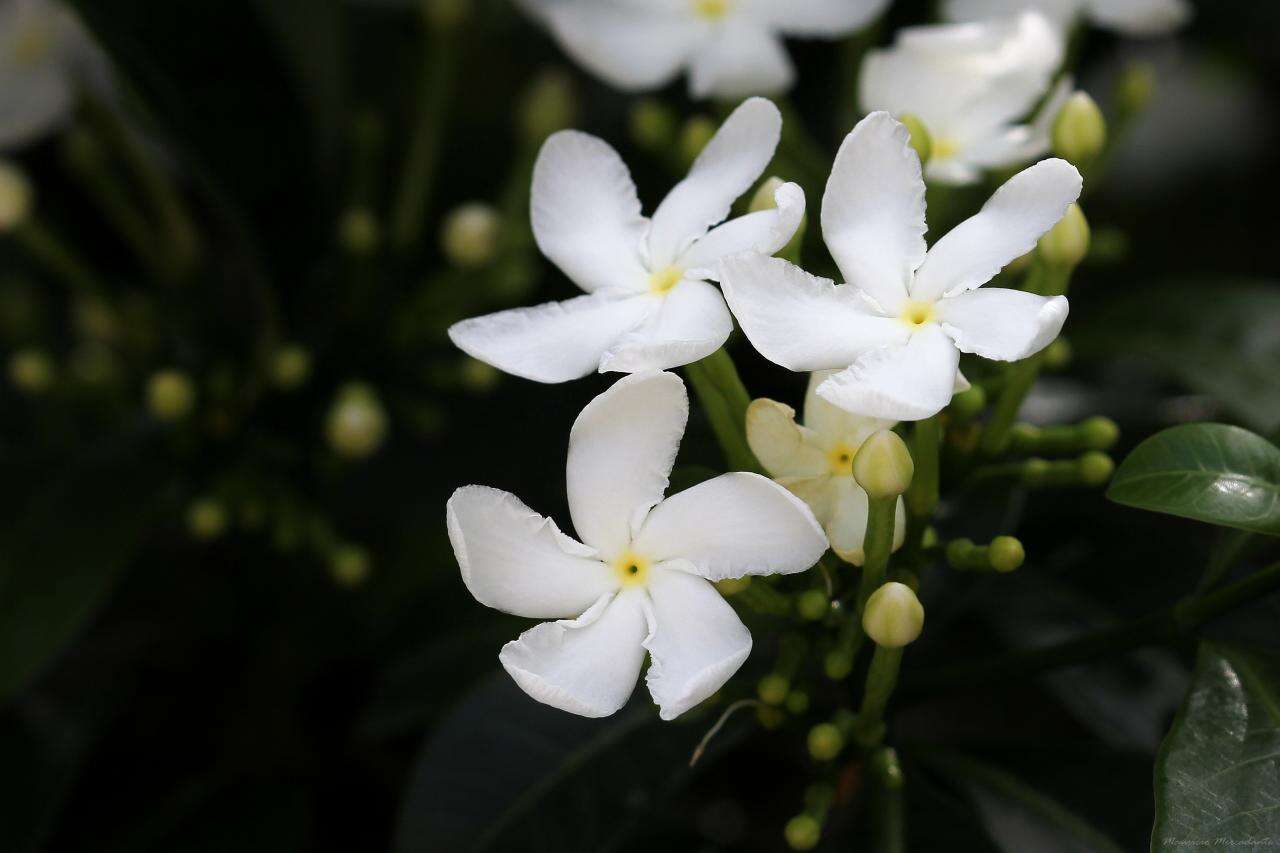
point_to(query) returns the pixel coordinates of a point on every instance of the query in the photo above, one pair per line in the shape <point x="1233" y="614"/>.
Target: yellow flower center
<point x="944" y="148"/>
<point x="841" y="459"/>
<point x="632" y="569"/>
<point x="661" y="282"/>
<point x="916" y="314"/>
<point x="712" y="10"/>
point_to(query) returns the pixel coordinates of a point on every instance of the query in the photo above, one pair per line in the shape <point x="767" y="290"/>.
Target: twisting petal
<point x="873" y="210"/>
<point x="742" y="58"/>
<point x="734" y="525"/>
<point x="517" y="561"/>
<point x="695" y="639"/>
<point x="819" y="18"/>
<point x="800" y="321"/>
<point x="1007" y="227"/>
<point x="905" y="383"/>
<point x="585" y="213"/>
<point x="587" y="666"/>
<point x="1000" y="324"/>
<point x="691" y="322"/>
<point x="555" y="341"/>
<point x="784" y="448"/>
<point x="766" y="232"/>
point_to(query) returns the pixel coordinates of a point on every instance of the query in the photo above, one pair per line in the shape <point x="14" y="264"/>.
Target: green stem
<point x="882" y="678"/>
<point x="724" y="399"/>
<point x="48" y="249"/>
<point x="889" y="817"/>
<point x="922" y="494"/>
<point x="876" y="545"/>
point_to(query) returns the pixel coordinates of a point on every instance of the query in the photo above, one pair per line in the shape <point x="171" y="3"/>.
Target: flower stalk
<point x="724" y="399"/>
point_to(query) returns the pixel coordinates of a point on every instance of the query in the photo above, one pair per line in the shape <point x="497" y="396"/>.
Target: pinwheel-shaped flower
<point x="731" y="48"/>
<point x="648" y="304"/>
<point x="815" y="462"/>
<point x="642" y="581"/>
<point x="972" y="86"/>
<point x="900" y="324"/>
<point x="1130" y="17"/>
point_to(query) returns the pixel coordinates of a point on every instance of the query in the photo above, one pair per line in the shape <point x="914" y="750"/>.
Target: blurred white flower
<point x="907" y="313"/>
<point x="45" y="54"/>
<point x="731" y="48"/>
<point x="972" y="86"/>
<point x="648" y="304"/>
<point x="643" y="580"/>
<point x="1130" y="17"/>
<point x="815" y="463"/>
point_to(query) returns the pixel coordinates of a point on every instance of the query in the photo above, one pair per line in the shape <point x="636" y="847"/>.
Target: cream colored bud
<point x="803" y="832"/>
<point x="1079" y="131"/>
<point x="31" y="371"/>
<point x="469" y="235"/>
<point x="883" y="465"/>
<point x="290" y="366"/>
<point x="894" y="616"/>
<point x="171" y="395"/>
<point x="16" y="196"/>
<point x="1067" y="243"/>
<point x="921" y="139"/>
<point x="357" y="423"/>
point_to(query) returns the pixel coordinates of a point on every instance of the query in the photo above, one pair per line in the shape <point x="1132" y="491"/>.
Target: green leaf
<point x="1209" y="472"/>
<point x="1217" y="778"/>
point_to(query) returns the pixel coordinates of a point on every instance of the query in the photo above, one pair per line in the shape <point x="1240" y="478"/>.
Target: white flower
<point x="815" y="462"/>
<point x="44" y="54"/>
<point x="1130" y="17"/>
<point x="971" y="85"/>
<point x="648" y="304"/>
<point x="900" y="324"/>
<point x="643" y="580"/>
<point x="731" y="48"/>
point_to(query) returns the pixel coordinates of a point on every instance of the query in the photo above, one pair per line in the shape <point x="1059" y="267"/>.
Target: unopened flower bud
<point x="803" y="832"/>
<point x="1135" y="87"/>
<point x="653" y="125"/>
<point x="1005" y="554"/>
<point x="921" y="139"/>
<point x="797" y="702"/>
<point x="967" y="405"/>
<point x="1096" y="468"/>
<point x="883" y="465"/>
<point x="349" y="566"/>
<point x="15" y="196"/>
<point x="694" y="136"/>
<point x="837" y="665"/>
<point x="359" y="231"/>
<point x="764" y="195"/>
<point x="1099" y="433"/>
<point x="357" y="423"/>
<point x="1067" y="243"/>
<point x="1079" y="131"/>
<point x="290" y="366"/>
<point x="812" y="605"/>
<point x="31" y="371"/>
<point x="1058" y="355"/>
<point x="893" y="616"/>
<point x="773" y="689"/>
<point x="825" y="742"/>
<point x="549" y="105"/>
<point x="171" y="395"/>
<point x="1020" y="263"/>
<point x="469" y="235"/>
<point x="206" y="519"/>
<point x="769" y="717"/>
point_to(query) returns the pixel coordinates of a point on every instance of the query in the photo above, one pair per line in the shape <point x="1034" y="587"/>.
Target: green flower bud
<point x="769" y="718"/>
<point x="206" y="519"/>
<point x="31" y="371"/>
<point x="1034" y="471"/>
<point x="549" y="105"/>
<point x="349" y="566"/>
<point x="1057" y="355"/>
<point x="1096" y="468"/>
<point x="813" y="605"/>
<point x="171" y="395"/>
<point x="357" y="423"/>
<point x="921" y="139"/>
<point x="1099" y="433"/>
<point x="797" y="702"/>
<point x="1067" y="243"/>
<point x="803" y="832"/>
<point x="469" y="235"/>
<point x="837" y="665"/>
<point x="291" y="366"/>
<point x="359" y="231"/>
<point x="764" y="195"/>
<point x="893" y="616"/>
<point x="773" y="689"/>
<point x="733" y="586"/>
<point x="883" y="465"/>
<point x="825" y="742"/>
<point x="694" y="136"/>
<point x="1005" y="553"/>
<point x="16" y="196"/>
<point x="653" y="124"/>
<point x="1020" y="263"/>
<point x="967" y="405"/>
<point x="1135" y="87"/>
<point x="1079" y="131"/>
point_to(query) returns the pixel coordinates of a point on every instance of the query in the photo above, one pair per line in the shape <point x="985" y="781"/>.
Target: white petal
<point x="621" y="449"/>
<point x="695" y="640"/>
<point x="833" y="424"/>
<point x="587" y="666"/>
<point x="819" y="18"/>
<point x="32" y="103"/>
<point x="1062" y="13"/>
<point x="1005" y="325"/>
<point x="585" y="213"/>
<point x="1007" y="227"/>
<point x="736" y="524"/>
<point x="798" y="320"/>
<point x="766" y="232"/>
<point x="846" y="524"/>
<point x="873" y="210"/>
<point x="784" y="448"/>
<point x="1140" y="17"/>
<point x="555" y="341"/>
<point x="690" y="324"/>
<point x="742" y="58"/>
<point x="726" y="168"/>
<point x="629" y="47"/>
<point x="517" y="561"/>
<point x="905" y="383"/>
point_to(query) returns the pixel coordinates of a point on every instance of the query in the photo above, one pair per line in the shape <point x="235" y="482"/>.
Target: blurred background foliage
<point x="239" y="630"/>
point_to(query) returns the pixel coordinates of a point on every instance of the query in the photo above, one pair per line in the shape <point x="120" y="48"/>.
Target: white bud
<point x="357" y="423"/>
<point x="1067" y="243"/>
<point x="893" y="616"/>
<point x="883" y="465"/>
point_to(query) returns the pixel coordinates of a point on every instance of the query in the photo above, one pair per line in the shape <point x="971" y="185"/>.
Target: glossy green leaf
<point x="1217" y="779"/>
<point x="1210" y="472"/>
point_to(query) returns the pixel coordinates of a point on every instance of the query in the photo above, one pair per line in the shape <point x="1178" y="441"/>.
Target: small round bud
<point x="1005" y="553"/>
<point x="444" y="15"/>
<point x="769" y="717"/>
<point x="206" y="519"/>
<point x="1024" y="435"/>
<point x="883" y="465"/>
<point x="958" y="551"/>
<point x="1057" y="355"/>
<point x="359" y="231"/>
<point x="1067" y="243"/>
<point x="469" y="235"/>
<point x="1099" y="433"/>
<point x="1135" y="87"/>
<point x="171" y="395"/>
<point x="803" y="832"/>
<point x="1035" y="470"/>
<point x="95" y="319"/>
<point x="653" y="125"/>
<point x="357" y="423"/>
<point x="764" y="195"/>
<point x="694" y="136"/>
<point x="921" y="139"/>
<point x="968" y="404"/>
<point x="31" y="371"/>
<point x="837" y="665"/>
<point x="349" y="566"/>
<point x="549" y="105"/>
<point x="825" y="742"/>
<point x="894" y="616"/>
<point x="290" y="366"/>
<point x="797" y="702"/>
<point x="773" y="689"/>
<point x="1096" y="468"/>
<point x="1020" y="263"/>
<point x="16" y="196"/>
<point x="1079" y="131"/>
<point x="733" y="586"/>
<point x="812" y="605"/>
